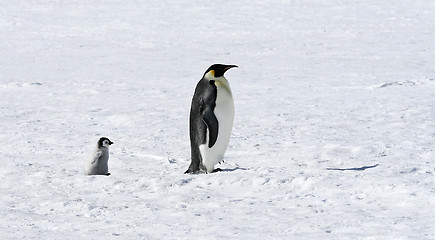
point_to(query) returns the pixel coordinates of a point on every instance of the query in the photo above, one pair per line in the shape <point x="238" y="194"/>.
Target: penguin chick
<point x="96" y="164"/>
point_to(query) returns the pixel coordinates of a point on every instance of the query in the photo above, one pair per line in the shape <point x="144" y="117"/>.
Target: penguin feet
<point x="216" y="170"/>
<point x="190" y="171"/>
<point x="107" y="174"/>
<point x="193" y="171"/>
<point x="196" y="171"/>
<point x="200" y="170"/>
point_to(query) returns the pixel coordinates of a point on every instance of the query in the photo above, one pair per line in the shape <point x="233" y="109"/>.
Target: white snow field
<point x="333" y="135"/>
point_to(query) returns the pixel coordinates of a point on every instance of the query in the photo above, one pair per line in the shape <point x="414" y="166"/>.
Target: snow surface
<point x="333" y="135"/>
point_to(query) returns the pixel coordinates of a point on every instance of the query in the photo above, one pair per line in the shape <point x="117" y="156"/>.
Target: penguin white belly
<point x="224" y="112"/>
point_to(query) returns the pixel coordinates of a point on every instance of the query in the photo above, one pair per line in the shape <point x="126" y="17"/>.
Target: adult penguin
<point x="211" y="119"/>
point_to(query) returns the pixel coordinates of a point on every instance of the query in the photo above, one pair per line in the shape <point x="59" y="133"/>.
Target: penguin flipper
<point x="212" y="124"/>
<point x="97" y="156"/>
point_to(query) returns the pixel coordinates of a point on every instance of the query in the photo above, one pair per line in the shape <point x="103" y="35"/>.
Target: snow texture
<point x="333" y="135"/>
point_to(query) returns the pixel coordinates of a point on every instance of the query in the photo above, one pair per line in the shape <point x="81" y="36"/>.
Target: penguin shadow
<point x="353" y="169"/>
<point x="231" y="169"/>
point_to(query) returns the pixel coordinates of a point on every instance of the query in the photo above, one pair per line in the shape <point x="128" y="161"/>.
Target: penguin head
<point x="216" y="71"/>
<point x="104" y="142"/>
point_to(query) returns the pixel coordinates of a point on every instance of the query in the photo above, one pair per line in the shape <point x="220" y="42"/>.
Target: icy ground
<point x="333" y="136"/>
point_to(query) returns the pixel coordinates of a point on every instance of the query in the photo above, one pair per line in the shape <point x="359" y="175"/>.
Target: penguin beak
<point x="227" y="67"/>
<point x="110" y="143"/>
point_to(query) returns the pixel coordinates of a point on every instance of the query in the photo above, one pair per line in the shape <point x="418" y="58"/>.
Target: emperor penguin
<point x="96" y="164"/>
<point x="211" y="120"/>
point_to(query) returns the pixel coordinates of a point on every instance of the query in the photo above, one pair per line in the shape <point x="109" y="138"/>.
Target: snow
<point x="333" y="135"/>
